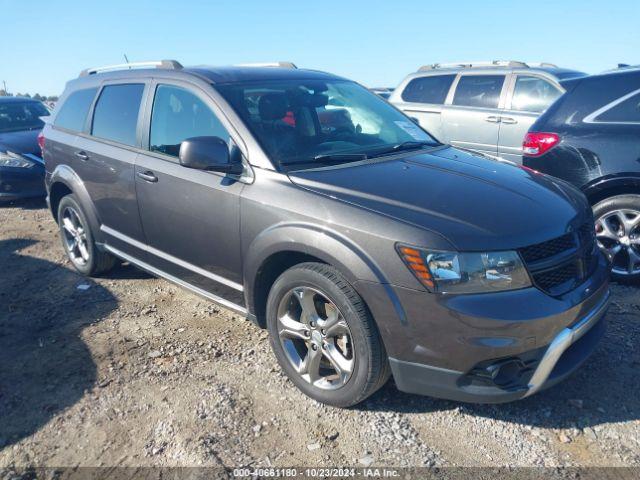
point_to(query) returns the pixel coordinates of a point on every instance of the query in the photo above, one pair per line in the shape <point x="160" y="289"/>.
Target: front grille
<point x="559" y="265"/>
<point x="548" y="249"/>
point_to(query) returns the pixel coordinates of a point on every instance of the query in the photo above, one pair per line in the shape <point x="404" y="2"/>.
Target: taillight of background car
<point x="538" y="143"/>
<point x="41" y="143"/>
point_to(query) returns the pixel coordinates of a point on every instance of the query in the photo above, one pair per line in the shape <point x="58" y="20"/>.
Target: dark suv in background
<point x="21" y="165"/>
<point x="323" y="213"/>
<point x="591" y="138"/>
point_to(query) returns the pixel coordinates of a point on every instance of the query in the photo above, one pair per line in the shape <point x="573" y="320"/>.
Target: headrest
<point x="272" y="106"/>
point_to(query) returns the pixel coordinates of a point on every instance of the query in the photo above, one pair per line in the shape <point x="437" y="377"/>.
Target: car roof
<point x="210" y="74"/>
<point x="17" y="100"/>
<point x="555" y="71"/>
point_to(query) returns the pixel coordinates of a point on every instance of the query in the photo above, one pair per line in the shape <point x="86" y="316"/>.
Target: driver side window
<point x="178" y="114"/>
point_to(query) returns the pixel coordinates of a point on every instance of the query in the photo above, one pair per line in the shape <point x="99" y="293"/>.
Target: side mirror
<point x="208" y="153"/>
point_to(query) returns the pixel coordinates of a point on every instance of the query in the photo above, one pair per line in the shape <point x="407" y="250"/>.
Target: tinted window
<point x="432" y="89"/>
<point x="15" y="116"/>
<point x="177" y="115"/>
<point x="479" y="91"/>
<point x="627" y="110"/>
<point x="73" y="112"/>
<point x="533" y="94"/>
<point x="116" y="114"/>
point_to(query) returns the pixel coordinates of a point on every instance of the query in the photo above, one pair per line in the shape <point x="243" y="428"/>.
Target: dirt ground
<point x="129" y="370"/>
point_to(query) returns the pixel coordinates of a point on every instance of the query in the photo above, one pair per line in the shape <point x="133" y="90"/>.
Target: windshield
<point x="15" y="116"/>
<point x="309" y="123"/>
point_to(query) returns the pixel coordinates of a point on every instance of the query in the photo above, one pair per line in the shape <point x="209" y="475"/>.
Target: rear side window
<point x="73" y="112"/>
<point x="116" y="114"/>
<point x="432" y="89"/>
<point x="177" y="115"/>
<point x="479" y="91"/>
<point x="623" y="110"/>
<point x="533" y="94"/>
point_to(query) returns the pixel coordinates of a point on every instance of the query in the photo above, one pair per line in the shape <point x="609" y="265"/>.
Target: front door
<point x="473" y="119"/>
<point x="191" y="218"/>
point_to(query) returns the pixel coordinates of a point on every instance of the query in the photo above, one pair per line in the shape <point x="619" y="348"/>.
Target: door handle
<point x="508" y="120"/>
<point x="493" y="119"/>
<point x="82" y="155"/>
<point x="148" y="176"/>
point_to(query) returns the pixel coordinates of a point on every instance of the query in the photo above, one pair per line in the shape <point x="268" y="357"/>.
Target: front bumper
<point x="18" y="183"/>
<point x="569" y="349"/>
<point x="492" y="347"/>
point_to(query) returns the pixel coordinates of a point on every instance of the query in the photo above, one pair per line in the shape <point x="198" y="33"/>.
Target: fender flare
<point x="323" y="243"/>
<point x="67" y="176"/>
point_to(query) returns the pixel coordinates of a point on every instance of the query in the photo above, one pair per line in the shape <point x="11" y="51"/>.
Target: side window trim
<point x="592" y="118"/>
<point x="88" y="128"/>
<point x="199" y="92"/>
<point x="501" y="99"/>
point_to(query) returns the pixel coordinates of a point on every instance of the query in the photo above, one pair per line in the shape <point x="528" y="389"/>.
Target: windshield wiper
<point x="332" y="157"/>
<point x="409" y="145"/>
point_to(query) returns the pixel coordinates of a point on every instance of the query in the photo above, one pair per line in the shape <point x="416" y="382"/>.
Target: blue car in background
<point x="21" y="165"/>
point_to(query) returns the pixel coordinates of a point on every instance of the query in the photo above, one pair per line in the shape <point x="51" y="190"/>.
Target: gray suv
<point x="321" y="212"/>
<point x="484" y="106"/>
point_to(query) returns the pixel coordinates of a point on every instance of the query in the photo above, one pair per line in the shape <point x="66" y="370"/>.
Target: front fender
<point x="65" y="175"/>
<point x="325" y="244"/>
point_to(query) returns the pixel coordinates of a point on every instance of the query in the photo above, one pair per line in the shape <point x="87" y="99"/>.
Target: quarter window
<point x="178" y="115"/>
<point x="116" y="114"/>
<point x="73" y="113"/>
<point x="533" y="94"/>
<point x="479" y="91"/>
<point x="432" y="89"/>
<point x="625" y="111"/>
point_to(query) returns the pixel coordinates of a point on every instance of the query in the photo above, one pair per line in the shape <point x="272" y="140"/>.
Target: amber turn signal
<point x="412" y="257"/>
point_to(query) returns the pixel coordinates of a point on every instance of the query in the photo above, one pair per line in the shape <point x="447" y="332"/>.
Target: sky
<point x="45" y="43"/>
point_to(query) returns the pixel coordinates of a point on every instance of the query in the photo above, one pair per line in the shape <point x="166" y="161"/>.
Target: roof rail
<point x="268" y="64"/>
<point x="168" y="64"/>
<point x="493" y="63"/>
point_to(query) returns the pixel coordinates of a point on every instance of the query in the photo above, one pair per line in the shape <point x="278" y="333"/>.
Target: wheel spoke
<point x="606" y="231"/>
<point x="67" y="224"/>
<point x="290" y="328"/>
<point x="341" y="364"/>
<point x="612" y="251"/>
<point x="634" y="258"/>
<point x="82" y="248"/>
<point x="310" y="367"/>
<point x="306" y="298"/>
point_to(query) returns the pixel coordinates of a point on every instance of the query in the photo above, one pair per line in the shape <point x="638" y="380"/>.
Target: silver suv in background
<point x="487" y="106"/>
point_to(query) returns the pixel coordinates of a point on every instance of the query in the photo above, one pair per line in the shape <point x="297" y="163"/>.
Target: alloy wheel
<point x="315" y="338"/>
<point x="75" y="236"/>
<point x="618" y="234"/>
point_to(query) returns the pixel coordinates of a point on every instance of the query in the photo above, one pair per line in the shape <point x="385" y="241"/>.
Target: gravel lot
<point x="129" y="370"/>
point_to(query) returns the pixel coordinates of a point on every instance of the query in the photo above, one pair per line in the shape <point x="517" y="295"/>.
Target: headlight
<point x="471" y="272"/>
<point x="10" y="159"/>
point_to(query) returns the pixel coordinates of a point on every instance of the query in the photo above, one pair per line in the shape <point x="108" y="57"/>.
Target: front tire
<point x="618" y="234"/>
<point x="78" y="241"/>
<point x="323" y="336"/>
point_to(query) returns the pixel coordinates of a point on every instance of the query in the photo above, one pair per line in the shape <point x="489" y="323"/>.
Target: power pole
<point x="5" y="87"/>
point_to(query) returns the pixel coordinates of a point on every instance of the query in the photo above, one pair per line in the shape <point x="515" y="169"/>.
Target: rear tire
<point x="618" y="232"/>
<point x="78" y="240"/>
<point x="352" y="361"/>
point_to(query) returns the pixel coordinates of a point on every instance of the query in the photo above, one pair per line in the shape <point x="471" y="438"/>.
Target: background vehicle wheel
<point x="324" y="337"/>
<point x="77" y="239"/>
<point x="618" y="234"/>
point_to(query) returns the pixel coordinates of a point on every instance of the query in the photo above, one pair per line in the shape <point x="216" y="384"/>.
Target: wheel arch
<point x="65" y="181"/>
<point x="602" y="189"/>
<point x="284" y="246"/>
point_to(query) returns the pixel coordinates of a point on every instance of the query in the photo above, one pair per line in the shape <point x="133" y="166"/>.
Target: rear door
<point x="472" y="120"/>
<point x="529" y="95"/>
<point x="106" y="159"/>
<point x="422" y="98"/>
<point x="191" y="218"/>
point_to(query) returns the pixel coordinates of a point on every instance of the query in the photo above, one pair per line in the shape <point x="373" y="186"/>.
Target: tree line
<point x="36" y="96"/>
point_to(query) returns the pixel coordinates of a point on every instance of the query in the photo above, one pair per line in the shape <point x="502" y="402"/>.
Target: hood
<point x="25" y="141"/>
<point x="476" y="203"/>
